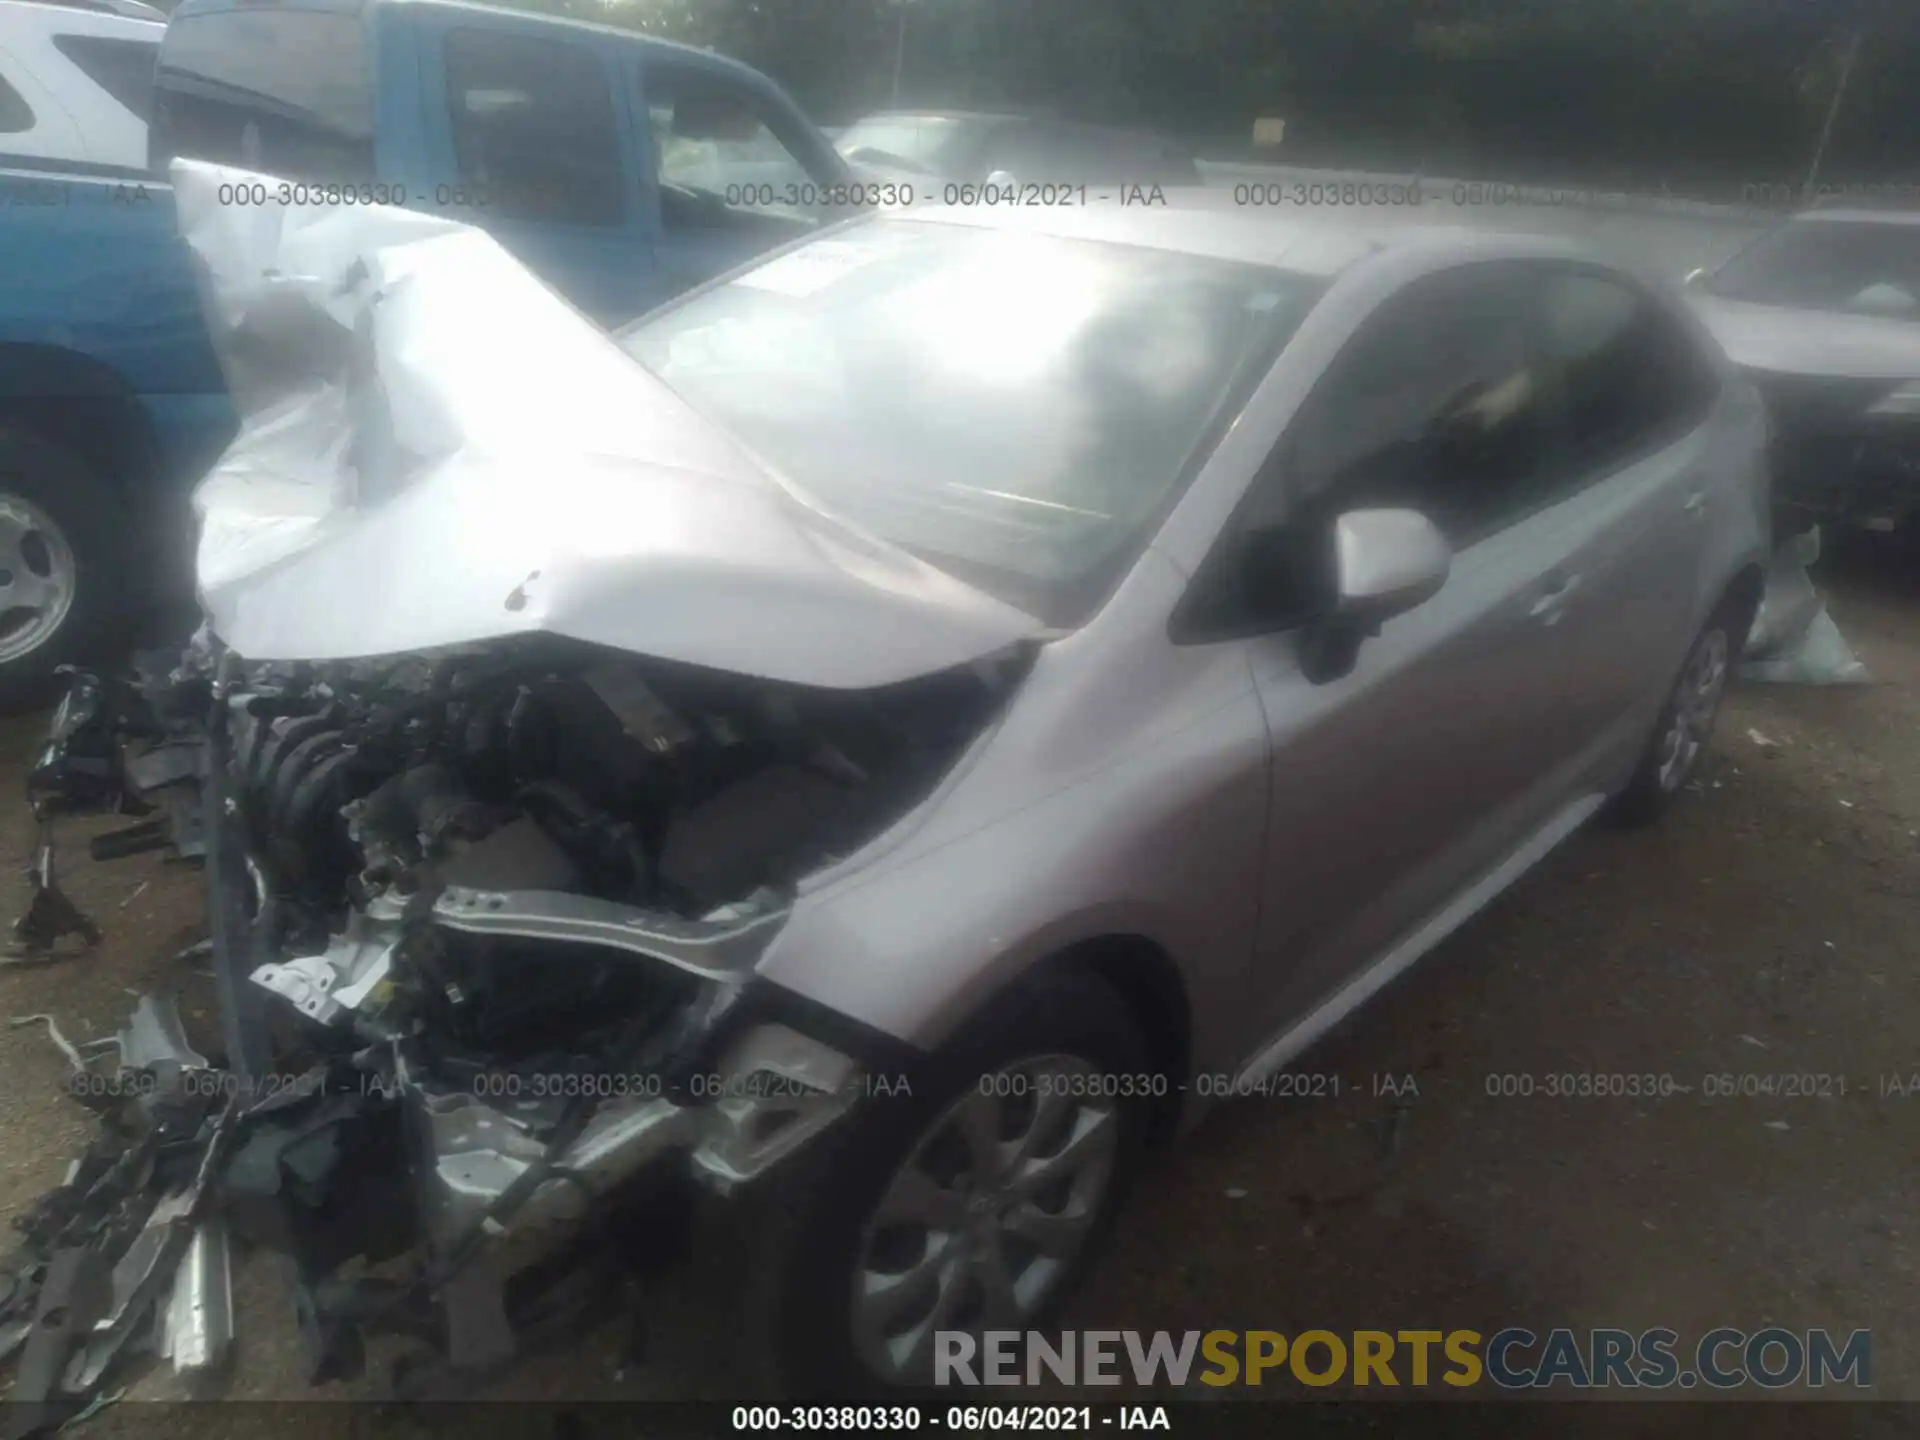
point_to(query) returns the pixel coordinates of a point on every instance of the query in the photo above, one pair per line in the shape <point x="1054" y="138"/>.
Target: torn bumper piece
<point x="445" y="1193"/>
<point x="405" y="1205"/>
<point x="127" y="1255"/>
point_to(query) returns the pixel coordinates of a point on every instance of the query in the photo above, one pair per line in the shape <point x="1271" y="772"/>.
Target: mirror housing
<point x="1384" y="563"/>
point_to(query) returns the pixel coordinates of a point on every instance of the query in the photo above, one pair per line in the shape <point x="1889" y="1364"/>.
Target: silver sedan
<point x="1372" y="563"/>
<point x="983" y="686"/>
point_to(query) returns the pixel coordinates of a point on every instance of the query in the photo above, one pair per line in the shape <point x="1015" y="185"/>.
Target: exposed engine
<point x="689" y="800"/>
<point x="517" y="893"/>
<point x="663" y="787"/>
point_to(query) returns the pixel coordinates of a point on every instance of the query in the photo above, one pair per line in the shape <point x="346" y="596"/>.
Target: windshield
<point x="931" y="143"/>
<point x="1018" y="409"/>
<point x="282" y="90"/>
<point x="1829" y="265"/>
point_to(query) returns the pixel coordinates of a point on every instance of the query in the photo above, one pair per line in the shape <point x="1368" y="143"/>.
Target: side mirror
<point x="1384" y="563"/>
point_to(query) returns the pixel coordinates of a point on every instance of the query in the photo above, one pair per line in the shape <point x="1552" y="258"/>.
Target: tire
<point x="834" y="1230"/>
<point x="1680" y="735"/>
<point x="61" y="564"/>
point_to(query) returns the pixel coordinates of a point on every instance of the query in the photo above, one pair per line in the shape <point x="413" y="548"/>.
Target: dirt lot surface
<point x="1768" y="928"/>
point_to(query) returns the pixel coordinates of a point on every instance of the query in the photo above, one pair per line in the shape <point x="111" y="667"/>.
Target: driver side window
<point x="533" y="127"/>
<point x="717" y="149"/>
<point x="1438" y="403"/>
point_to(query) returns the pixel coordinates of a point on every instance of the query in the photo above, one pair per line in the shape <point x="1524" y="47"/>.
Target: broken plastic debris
<point x="1794" y="640"/>
<point x="1754" y="1040"/>
<point x="1236" y="1194"/>
<point x="1775" y="1124"/>
<point x="154" y="1035"/>
<point x="67" y="1047"/>
<point x="1757" y="738"/>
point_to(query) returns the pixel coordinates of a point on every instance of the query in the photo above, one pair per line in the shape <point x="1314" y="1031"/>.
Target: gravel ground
<point x="1767" y="928"/>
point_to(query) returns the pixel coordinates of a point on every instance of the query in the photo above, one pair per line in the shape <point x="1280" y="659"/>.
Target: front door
<point x="1450" y="743"/>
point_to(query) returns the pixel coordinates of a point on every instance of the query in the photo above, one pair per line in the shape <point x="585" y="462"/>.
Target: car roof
<point x="1206" y="222"/>
<point x="1859" y="216"/>
<point x="502" y="15"/>
<point x="936" y="114"/>
<point x="126" y="18"/>
<point x="1020" y="117"/>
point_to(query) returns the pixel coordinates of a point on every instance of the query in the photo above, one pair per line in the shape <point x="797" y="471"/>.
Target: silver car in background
<point x="1822" y="313"/>
<point x="1009" y="676"/>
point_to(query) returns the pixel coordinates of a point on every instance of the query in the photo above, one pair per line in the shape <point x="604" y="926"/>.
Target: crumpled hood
<point x="1791" y="341"/>
<point x="437" y="450"/>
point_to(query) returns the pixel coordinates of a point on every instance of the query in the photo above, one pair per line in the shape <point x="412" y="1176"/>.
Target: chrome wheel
<point x="38" y="578"/>
<point x="1696" y="700"/>
<point x="988" y="1212"/>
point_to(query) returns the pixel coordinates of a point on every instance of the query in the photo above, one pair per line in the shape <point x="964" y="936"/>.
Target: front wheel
<point x="975" y="1205"/>
<point x="59" y="564"/>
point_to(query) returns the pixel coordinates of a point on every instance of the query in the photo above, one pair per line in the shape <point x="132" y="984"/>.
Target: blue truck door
<point x="530" y="138"/>
<point x="730" y="168"/>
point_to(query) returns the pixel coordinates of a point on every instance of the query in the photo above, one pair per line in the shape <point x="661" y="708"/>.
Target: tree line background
<point x="1700" y="96"/>
<point x="1693" y="94"/>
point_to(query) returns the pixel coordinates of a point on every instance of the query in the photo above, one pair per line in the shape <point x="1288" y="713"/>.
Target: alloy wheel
<point x="979" y="1224"/>
<point x="1696" y="700"/>
<point x="38" y="578"/>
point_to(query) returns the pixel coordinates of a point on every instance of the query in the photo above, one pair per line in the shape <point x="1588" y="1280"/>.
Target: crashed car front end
<point x="510" y="906"/>
<point x="525" y="704"/>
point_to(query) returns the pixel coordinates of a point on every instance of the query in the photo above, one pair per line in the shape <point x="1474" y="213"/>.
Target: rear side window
<point x="122" y="68"/>
<point x="533" y="128"/>
<point x="289" y="92"/>
<point x="1632" y="378"/>
<point x="16" y="116"/>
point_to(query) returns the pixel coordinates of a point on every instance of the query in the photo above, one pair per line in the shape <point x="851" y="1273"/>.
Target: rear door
<point x="533" y="135"/>
<point x="1634" y="493"/>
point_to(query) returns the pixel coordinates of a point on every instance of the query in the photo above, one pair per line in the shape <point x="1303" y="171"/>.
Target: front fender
<point x="1164" y="846"/>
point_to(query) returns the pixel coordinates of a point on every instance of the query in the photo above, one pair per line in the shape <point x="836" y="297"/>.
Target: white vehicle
<point x="75" y="83"/>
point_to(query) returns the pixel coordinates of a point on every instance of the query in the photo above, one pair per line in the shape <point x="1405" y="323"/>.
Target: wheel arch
<point x="1150" y="984"/>
<point x="80" y="404"/>
<point x="1742" y="593"/>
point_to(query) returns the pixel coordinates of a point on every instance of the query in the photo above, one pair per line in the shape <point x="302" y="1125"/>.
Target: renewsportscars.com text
<point x="1510" y="1359"/>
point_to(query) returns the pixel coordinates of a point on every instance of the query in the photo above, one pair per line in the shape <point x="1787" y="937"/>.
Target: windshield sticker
<point x="804" y="272"/>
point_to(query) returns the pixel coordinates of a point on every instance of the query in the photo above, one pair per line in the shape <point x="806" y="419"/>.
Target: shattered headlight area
<point x="485" y="927"/>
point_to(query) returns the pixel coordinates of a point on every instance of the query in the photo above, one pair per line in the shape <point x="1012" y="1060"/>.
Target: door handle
<point x="1551" y="603"/>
